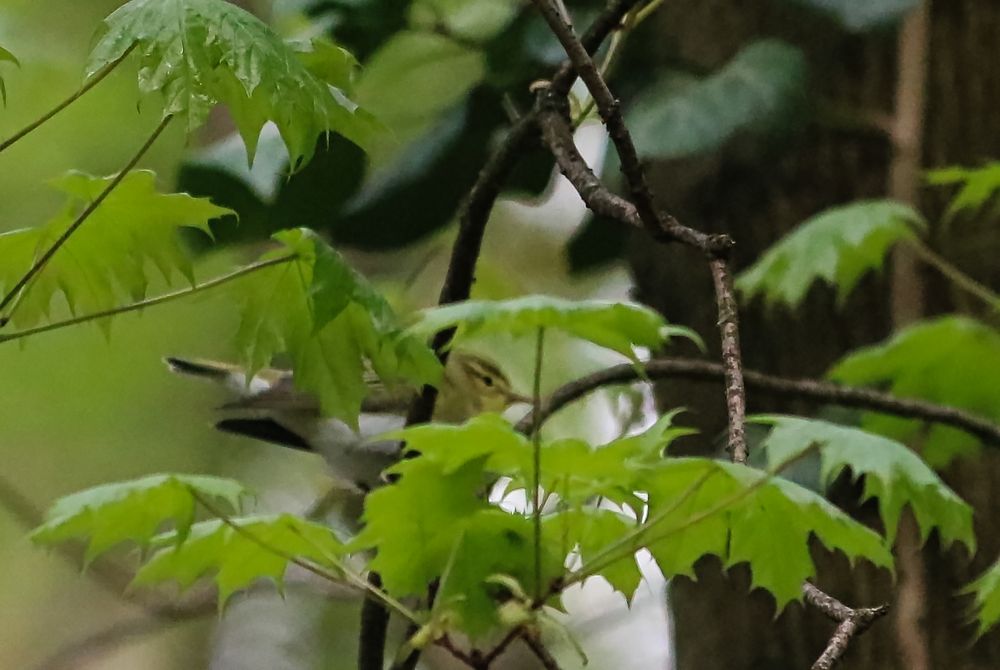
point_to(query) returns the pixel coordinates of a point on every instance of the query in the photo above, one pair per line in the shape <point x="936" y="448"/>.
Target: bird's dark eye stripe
<point x="484" y="370"/>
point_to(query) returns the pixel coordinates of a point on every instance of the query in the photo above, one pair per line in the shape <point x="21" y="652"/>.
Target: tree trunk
<point x="756" y="200"/>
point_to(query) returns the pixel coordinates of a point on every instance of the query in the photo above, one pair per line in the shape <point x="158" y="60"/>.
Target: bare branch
<point x="547" y="660"/>
<point x="852" y="622"/>
<point x="557" y="135"/>
<point x="800" y="389"/>
<point x="654" y="221"/>
<point x="736" y="402"/>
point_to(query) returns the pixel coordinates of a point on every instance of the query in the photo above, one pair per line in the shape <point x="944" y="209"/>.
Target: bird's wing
<point x="273" y="389"/>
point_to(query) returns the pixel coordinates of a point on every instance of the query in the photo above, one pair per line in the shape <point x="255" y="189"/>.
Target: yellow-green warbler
<point x="270" y="408"/>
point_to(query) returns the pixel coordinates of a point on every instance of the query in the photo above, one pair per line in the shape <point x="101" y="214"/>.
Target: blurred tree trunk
<point x="757" y="199"/>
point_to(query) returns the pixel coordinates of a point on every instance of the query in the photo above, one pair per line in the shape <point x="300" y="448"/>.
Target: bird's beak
<point x="515" y="398"/>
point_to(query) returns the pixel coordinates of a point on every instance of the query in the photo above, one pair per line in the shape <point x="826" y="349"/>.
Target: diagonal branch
<point x="93" y="81"/>
<point x="558" y="136"/>
<point x="654" y="221"/>
<point x="543" y="655"/>
<point x="149" y="302"/>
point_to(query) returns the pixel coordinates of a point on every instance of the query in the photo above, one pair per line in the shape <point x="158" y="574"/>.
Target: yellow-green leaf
<point x="136" y="510"/>
<point x="241" y="552"/>
<point x="109" y="258"/>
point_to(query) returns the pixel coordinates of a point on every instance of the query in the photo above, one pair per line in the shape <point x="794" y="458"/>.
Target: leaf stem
<point x="93" y="81"/>
<point x="536" y="449"/>
<point x="150" y="302"/>
<point x="646" y="12"/>
<point x="84" y="215"/>
<point x="614" y="50"/>
<point x="628" y="545"/>
<point x="629" y="540"/>
<point x="349" y="578"/>
<point x="954" y="275"/>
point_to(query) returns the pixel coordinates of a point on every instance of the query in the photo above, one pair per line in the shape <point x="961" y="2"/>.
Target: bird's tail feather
<point x="199" y="368"/>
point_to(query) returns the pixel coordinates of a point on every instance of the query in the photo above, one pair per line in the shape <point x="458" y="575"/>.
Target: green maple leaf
<point x="329" y="319"/>
<point x="893" y="474"/>
<point x="111" y="253"/>
<point x="416" y="523"/>
<point x="580" y="472"/>
<point x="614" y="326"/>
<point x="986" y="605"/>
<point x="330" y="63"/>
<point x="261" y="549"/>
<point x="5" y="56"/>
<point x="572" y="468"/>
<point x="435" y="524"/>
<point x="586" y="531"/>
<point x="450" y="446"/>
<point x="135" y="511"/>
<point x="977" y="186"/>
<point x="951" y="360"/>
<point x="491" y="543"/>
<point x="198" y="53"/>
<point x="728" y="510"/>
<point x="837" y="246"/>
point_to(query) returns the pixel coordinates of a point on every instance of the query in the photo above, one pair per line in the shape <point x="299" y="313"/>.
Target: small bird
<point x="271" y="409"/>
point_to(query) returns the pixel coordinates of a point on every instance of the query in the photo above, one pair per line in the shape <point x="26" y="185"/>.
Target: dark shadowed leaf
<point x="755" y="93"/>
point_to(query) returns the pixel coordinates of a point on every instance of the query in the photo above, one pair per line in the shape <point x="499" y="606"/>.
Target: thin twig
<point x="493" y="654"/>
<point x="457" y="287"/>
<point x="557" y="135"/>
<point x="654" y="221"/>
<point x="954" y="274"/>
<point x="149" y="302"/>
<point x="536" y="451"/>
<point x="545" y="657"/>
<point x="736" y="402"/>
<point x="93" y="81"/>
<point x="41" y="261"/>
<point x="374" y="628"/>
<point x="851" y="622"/>
<point x="799" y="389"/>
<point x="345" y="578"/>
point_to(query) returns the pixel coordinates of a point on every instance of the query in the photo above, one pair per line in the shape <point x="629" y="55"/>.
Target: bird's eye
<point x="488" y="380"/>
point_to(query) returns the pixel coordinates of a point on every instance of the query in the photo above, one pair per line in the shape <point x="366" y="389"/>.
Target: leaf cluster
<point x="616" y="326"/>
<point x="330" y="322"/>
<point x="198" y="53"/>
